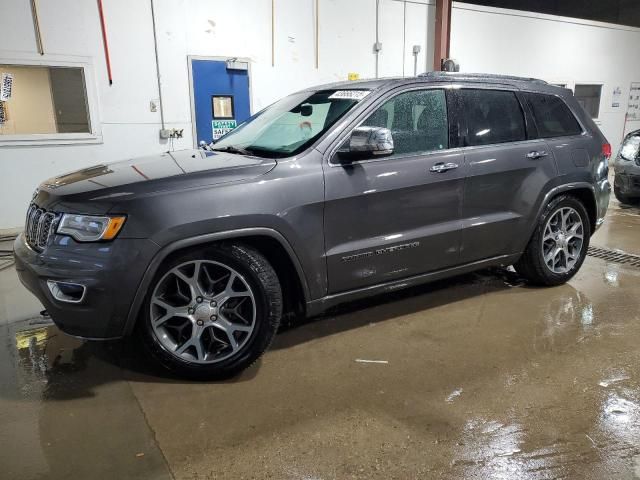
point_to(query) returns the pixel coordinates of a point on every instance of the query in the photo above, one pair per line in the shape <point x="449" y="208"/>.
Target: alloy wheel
<point x="202" y="311"/>
<point x="563" y="240"/>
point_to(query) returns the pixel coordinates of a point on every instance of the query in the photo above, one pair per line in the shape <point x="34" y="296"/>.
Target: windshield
<point x="290" y="125"/>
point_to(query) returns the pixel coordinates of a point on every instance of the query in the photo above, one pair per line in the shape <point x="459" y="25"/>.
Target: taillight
<point x="606" y="150"/>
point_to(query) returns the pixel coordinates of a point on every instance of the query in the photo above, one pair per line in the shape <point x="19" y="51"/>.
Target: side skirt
<point x="317" y="307"/>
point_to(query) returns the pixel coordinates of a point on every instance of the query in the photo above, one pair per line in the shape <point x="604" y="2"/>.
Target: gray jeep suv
<point x="331" y="194"/>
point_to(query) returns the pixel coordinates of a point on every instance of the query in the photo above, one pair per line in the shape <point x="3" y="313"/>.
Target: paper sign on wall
<point x="222" y="127"/>
<point x="633" y="109"/>
<point x="615" y="98"/>
<point x="3" y="113"/>
<point x="6" y="84"/>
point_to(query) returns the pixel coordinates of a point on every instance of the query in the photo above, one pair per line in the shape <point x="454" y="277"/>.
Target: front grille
<point x="39" y="227"/>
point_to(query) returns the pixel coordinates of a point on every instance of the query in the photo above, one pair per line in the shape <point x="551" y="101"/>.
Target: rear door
<point x="506" y="172"/>
<point x="398" y="216"/>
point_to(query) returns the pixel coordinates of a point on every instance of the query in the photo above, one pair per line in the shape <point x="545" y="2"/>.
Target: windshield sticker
<point x="349" y="95"/>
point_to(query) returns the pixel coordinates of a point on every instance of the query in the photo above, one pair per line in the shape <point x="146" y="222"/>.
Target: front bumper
<point x="627" y="177"/>
<point x="628" y="184"/>
<point x="110" y="271"/>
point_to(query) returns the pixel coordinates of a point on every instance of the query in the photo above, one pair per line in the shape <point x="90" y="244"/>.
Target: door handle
<point x="537" y="154"/>
<point x="441" y="167"/>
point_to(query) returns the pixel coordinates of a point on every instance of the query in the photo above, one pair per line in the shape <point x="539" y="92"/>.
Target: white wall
<point x="226" y="28"/>
<point x="556" y="49"/>
<point x="483" y="39"/>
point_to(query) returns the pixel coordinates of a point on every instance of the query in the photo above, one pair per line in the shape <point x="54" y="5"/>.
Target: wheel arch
<point x="584" y="191"/>
<point x="271" y="243"/>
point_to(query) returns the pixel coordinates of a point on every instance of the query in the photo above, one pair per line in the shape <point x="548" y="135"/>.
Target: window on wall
<point x="222" y="106"/>
<point x="42" y="100"/>
<point x="417" y="120"/>
<point x="492" y="116"/>
<point x="588" y="96"/>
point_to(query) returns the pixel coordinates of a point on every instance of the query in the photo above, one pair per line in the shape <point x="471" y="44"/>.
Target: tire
<point x="565" y="263"/>
<point x="211" y="313"/>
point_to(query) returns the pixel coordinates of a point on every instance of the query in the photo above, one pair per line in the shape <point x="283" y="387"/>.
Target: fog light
<point x="66" y="291"/>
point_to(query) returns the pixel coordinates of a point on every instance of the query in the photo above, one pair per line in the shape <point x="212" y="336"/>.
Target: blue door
<point x="220" y="97"/>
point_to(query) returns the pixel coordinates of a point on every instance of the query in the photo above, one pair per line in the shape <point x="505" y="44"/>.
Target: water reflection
<point x="489" y="446"/>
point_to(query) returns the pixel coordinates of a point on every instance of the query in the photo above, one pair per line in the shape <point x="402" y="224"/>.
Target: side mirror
<point x="367" y="142"/>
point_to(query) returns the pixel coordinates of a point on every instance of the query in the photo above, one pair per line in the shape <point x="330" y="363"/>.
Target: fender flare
<point x="167" y="250"/>
<point x="566" y="187"/>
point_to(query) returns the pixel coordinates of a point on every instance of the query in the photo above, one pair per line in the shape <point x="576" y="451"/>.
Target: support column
<point x="443" y="33"/>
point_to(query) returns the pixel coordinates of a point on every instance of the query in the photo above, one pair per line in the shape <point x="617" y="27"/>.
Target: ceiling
<point x="622" y="12"/>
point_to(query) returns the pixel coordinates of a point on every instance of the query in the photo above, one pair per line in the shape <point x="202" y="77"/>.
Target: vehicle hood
<point x="147" y="175"/>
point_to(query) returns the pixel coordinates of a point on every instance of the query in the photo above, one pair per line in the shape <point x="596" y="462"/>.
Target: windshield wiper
<point x="232" y="149"/>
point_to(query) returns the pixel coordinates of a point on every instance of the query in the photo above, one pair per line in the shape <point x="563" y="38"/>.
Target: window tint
<point x="417" y="120"/>
<point x="492" y="116"/>
<point x="553" y="117"/>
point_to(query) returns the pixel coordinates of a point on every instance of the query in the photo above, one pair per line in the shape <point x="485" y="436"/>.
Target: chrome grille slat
<point x="39" y="226"/>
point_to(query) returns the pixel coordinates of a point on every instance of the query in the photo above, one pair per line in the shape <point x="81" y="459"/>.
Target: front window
<point x="417" y="120"/>
<point x="292" y="124"/>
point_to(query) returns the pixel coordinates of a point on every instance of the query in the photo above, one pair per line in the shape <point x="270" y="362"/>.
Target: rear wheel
<point x="559" y="244"/>
<point x="212" y="313"/>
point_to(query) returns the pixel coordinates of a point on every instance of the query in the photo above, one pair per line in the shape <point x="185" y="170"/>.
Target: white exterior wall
<point x="556" y="49"/>
<point x="483" y="39"/>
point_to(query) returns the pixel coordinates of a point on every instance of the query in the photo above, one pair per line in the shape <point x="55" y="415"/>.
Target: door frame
<point x="190" y="59"/>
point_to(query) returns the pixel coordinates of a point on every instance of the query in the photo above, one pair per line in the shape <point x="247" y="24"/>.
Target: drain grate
<point x="614" y="256"/>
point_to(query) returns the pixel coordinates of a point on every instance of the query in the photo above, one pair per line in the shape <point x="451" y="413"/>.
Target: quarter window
<point x="492" y="116"/>
<point x="553" y="117"/>
<point x="417" y="120"/>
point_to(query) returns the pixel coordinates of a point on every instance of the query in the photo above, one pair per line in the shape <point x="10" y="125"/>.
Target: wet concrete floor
<point x="483" y="377"/>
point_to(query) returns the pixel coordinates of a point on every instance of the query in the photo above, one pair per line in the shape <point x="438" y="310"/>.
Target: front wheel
<point x="559" y="243"/>
<point x="212" y="313"/>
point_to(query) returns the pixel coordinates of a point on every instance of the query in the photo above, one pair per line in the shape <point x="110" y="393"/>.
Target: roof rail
<point x="479" y="76"/>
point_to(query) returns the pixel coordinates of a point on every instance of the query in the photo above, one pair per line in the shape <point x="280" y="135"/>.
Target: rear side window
<point x="553" y="117"/>
<point x="492" y="116"/>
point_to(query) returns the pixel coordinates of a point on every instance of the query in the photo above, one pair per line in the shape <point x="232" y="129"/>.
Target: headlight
<point x="630" y="149"/>
<point x="88" y="228"/>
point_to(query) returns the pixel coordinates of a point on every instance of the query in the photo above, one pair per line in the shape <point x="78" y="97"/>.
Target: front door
<point x="397" y="216"/>
<point x="506" y="172"/>
<point x="220" y="97"/>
